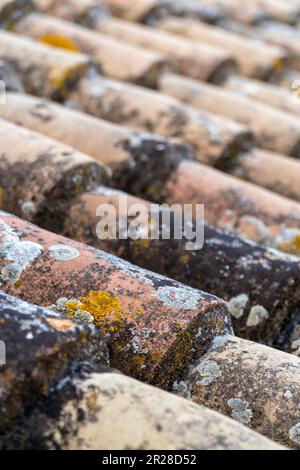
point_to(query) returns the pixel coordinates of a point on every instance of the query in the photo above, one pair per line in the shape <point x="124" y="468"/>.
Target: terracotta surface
<point x="154" y="326"/>
<point x="115" y="58"/>
<point x="150" y="10"/>
<point x="119" y="413"/>
<point x="250" y="14"/>
<point x="233" y="205"/>
<point x="279" y="10"/>
<point x="192" y="58"/>
<point x="108" y="109"/>
<point x="283" y="36"/>
<point x="122" y="149"/>
<point x="268" y="93"/>
<point x="275" y="130"/>
<point x="270" y="170"/>
<point x="255" y="59"/>
<point x="256" y="385"/>
<point x="34" y="339"/>
<point x="9" y="75"/>
<point x="215" y="140"/>
<point x="242" y="273"/>
<point x="45" y="71"/>
<point x="54" y="172"/>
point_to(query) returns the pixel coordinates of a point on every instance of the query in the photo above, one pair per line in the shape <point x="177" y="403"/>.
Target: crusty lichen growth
<point x="100" y="308"/>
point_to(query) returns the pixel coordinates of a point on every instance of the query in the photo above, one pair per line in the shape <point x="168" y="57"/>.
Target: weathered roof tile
<point x="154" y="324"/>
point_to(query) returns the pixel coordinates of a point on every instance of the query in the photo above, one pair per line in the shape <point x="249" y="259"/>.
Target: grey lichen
<point x="288" y="395"/>
<point x="20" y="253"/>
<point x="240" y="410"/>
<point x="264" y="235"/>
<point x="209" y="371"/>
<point x="28" y="208"/>
<point x="294" y="434"/>
<point x="59" y="306"/>
<point x="63" y="252"/>
<point x="237" y="305"/>
<point x="257" y="315"/>
<point x="181" y="388"/>
<point x="179" y="297"/>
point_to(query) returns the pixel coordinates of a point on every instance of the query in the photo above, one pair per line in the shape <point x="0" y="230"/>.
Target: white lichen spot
<point x="28" y="208"/>
<point x="237" y="305"/>
<point x="294" y="434"/>
<point x="288" y="395"/>
<point x="257" y="315"/>
<point x="84" y="316"/>
<point x="20" y="253"/>
<point x="181" y="389"/>
<point x="100" y="88"/>
<point x="220" y="341"/>
<point x="240" y="410"/>
<point x="136" y="346"/>
<point x="63" y="252"/>
<point x="179" y="297"/>
<point x="209" y="371"/>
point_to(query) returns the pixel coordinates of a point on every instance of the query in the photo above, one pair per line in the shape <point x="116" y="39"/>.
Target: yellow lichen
<point x="56" y="40"/>
<point x="292" y="247"/>
<point x="106" y="310"/>
<point x="1" y="197"/>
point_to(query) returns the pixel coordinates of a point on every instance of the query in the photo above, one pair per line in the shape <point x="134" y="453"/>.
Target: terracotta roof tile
<point x="164" y="420"/>
<point x="274" y="129"/>
<point x="43" y="70"/>
<point x="169" y="144"/>
<point x="34" y="339"/>
<point x="226" y="266"/>
<point x="154" y="324"/>
<point x="232" y="205"/>
<point x="118" y="147"/>
<point x="54" y="172"/>
<point x="255" y="60"/>
<point x="216" y="140"/>
<point x="237" y="379"/>
<point x="150" y="10"/>
<point x="193" y="58"/>
<point x="268" y="93"/>
<point x="116" y="59"/>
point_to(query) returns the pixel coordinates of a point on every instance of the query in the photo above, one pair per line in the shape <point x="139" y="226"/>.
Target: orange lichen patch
<point x="60" y="325"/>
<point x="59" y="41"/>
<point x="291" y="247"/>
<point x="1" y="197"/>
<point x="106" y="310"/>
